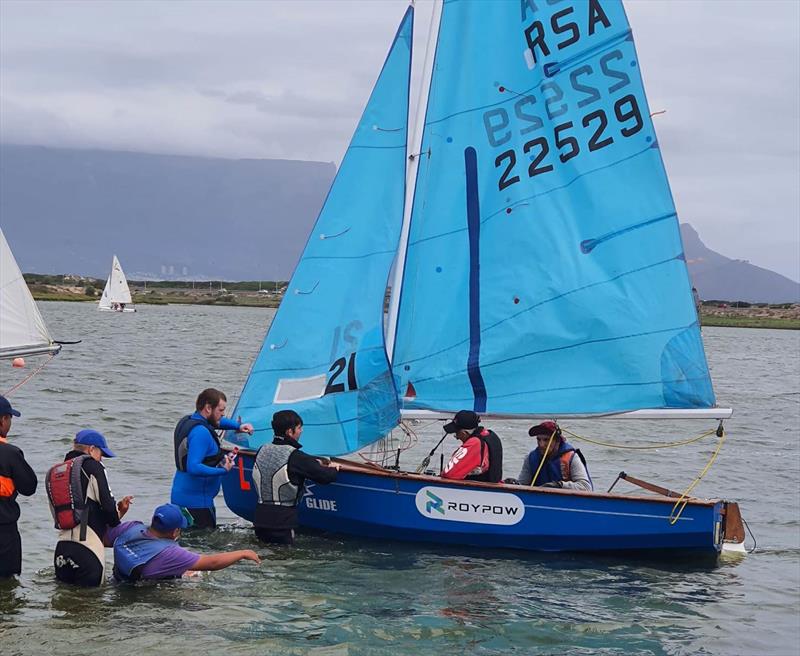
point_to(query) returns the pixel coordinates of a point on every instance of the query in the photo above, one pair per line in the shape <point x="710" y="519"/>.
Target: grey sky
<point x="289" y="80"/>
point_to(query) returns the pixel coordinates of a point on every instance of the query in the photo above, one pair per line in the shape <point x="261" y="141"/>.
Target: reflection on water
<point x="135" y="375"/>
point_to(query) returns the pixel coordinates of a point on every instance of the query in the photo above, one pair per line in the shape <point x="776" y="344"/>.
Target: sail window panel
<point x="546" y="210"/>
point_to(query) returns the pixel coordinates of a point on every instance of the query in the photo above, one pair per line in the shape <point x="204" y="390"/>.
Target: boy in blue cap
<point x="16" y="477"/>
<point x="80" y="559"/>
<point x="142" y="552"/>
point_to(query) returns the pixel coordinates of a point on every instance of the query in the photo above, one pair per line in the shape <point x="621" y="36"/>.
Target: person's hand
<point x="554" y="484"/>
<point x="245" y="428"/>
<point x="123" y="505"/>
<point x="227" y="461"/>
<point x="249" y="554"/>
<point x="334" y="465"/>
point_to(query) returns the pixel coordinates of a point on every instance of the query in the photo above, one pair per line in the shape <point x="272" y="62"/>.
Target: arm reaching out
<point x="214" y="562"/>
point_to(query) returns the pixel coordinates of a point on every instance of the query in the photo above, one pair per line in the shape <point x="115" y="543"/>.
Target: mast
<point x="415" y="145"/>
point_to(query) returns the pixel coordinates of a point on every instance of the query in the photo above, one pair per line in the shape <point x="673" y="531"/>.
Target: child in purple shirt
<point x="142" y="552"/>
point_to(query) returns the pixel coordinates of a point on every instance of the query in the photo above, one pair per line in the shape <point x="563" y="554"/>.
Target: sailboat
<point x="116" y="295"/>
<point x="23" y="331"/>
<point x="537" y="271"/>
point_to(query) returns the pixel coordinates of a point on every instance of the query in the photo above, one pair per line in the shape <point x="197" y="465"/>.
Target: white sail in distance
<point x="116" y="293"/>
<point x="22" y="329"/>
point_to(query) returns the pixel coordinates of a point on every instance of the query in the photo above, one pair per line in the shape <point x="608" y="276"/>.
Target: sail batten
<point x="23" y="331"/>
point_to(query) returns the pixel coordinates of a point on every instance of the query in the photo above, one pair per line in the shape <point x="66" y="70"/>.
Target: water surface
<point x="134" y="375"/>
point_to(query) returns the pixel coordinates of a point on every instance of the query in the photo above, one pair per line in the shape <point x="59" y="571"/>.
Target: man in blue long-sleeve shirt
<point x="199" y="460"/>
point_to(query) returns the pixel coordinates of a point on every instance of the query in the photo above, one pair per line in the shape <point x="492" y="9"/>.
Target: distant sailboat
<point x="22" y="329"/>
<point x="116" y="295"/>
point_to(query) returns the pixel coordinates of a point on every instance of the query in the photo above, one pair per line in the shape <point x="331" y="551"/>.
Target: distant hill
<point x="177" y="217"/>
<point x="721" y="278"/>
<point x="165" y="216"/>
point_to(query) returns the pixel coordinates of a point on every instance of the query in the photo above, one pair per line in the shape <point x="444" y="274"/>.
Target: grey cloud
<point x="290" y="79"/>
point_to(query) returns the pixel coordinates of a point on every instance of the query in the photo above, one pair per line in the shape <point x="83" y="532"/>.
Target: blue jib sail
<point x="545" y="271"/>
<point x="324" y="355"/>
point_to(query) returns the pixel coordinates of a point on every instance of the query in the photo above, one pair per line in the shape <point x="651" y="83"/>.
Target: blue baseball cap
<point x="169" y="517"/>
<point x="89" y="437"/>
<point x="6" y="409"/>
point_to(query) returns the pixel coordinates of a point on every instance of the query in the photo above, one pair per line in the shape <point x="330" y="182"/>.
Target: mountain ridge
<point x="204" y="218"/>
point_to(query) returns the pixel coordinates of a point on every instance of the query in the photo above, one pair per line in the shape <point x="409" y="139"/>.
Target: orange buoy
<point x="19" y="363"/>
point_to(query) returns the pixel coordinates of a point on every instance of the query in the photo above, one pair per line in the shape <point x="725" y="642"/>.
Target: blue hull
<point x="410" y="507"/>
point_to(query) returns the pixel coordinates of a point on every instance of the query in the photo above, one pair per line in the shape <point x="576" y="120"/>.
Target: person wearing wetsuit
<point x="480" y="456"/>
<point x="564" y="465"/>
<point x="16" y="477"/>
<point x="142" y="552"/>
<point x="279" y="474"/>
<point x="199" y="460"/>
<point x="83" y="562"/>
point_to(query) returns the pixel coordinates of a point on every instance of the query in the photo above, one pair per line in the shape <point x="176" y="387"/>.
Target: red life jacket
<point x="65" y="495"/>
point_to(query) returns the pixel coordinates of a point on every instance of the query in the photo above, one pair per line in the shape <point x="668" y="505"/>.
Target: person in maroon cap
<point x="564" y="465"/>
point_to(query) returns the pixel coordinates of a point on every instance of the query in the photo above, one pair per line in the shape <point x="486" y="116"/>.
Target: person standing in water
<point x="279" y="476"/>
<point x="79" y="556"/>
<point x="16" y="477"/>
<point x="199" y="459"/>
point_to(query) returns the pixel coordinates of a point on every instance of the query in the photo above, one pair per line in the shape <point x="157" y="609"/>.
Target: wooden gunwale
<point x="375" y="470"/>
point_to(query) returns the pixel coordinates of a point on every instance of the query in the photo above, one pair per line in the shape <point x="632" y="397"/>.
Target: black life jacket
<point x="181" y="442"/>
<point x="65" y="495"/>
<point x="490" y="440"/>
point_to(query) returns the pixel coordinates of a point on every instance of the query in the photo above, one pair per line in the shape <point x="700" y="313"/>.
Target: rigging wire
<point x="755" y="544"/>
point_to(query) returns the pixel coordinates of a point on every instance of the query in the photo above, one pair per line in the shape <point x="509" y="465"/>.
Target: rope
<point x="683" y="500"/>
<point x="755" y="544"/>
<point x="666" y="445"/>
<point x="544" y="457"/>
<point x="31" y="375"/>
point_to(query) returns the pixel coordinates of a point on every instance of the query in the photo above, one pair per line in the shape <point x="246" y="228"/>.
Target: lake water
<point x="134" y="375"/>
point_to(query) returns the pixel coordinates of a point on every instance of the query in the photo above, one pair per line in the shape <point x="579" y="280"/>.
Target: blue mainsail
<point x="324" y="355"/>
<point x="545" y="271"/>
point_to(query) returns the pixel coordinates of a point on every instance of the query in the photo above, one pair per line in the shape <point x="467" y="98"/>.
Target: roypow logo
<point x="474" y="506"/>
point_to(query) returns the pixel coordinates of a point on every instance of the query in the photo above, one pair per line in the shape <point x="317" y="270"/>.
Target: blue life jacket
<point x="180" y="441"/>
<point x="134" y="549"/>
<point x="556" y="469"/>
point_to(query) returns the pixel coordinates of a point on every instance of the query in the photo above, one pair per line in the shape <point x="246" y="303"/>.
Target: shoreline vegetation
<point x="733" y="314"/>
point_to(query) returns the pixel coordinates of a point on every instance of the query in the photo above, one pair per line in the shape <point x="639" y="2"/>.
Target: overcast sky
<point x="289" y="80"/>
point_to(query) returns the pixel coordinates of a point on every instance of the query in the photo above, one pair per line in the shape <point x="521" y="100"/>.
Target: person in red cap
<point x="480" y="456"/>
<point x="561" y="467"/>
<point x="16" y="477"/>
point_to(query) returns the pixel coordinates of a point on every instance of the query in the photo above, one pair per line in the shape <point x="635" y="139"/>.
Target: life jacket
<point x="271" y="476"/>
<point x="133" y="549"/>
<point x="555" y="469"/>
<point x="181" y="442"/>
<point x="65" y="495"/>
<point x="490" y="440"/>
